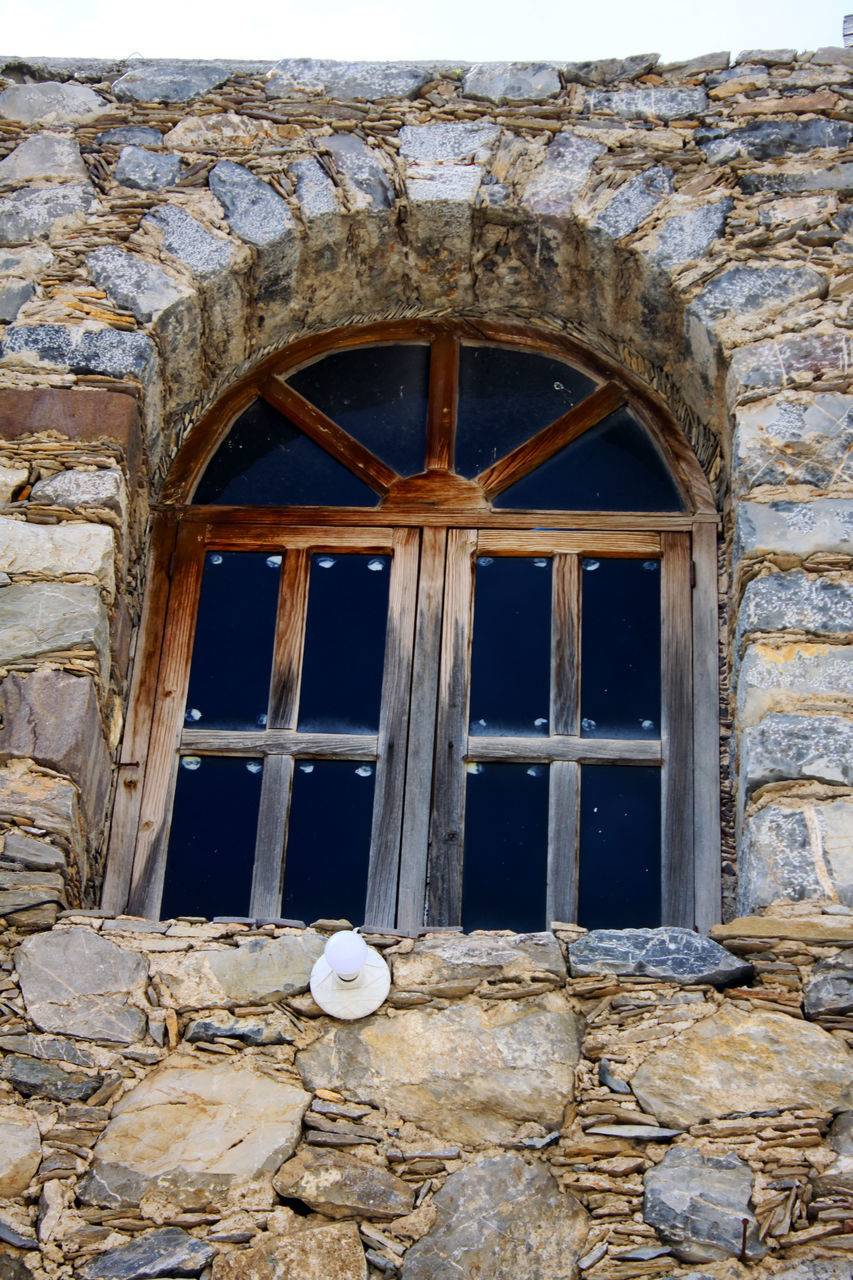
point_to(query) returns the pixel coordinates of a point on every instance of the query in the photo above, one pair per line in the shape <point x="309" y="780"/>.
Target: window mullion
<point x="564" y="783"/>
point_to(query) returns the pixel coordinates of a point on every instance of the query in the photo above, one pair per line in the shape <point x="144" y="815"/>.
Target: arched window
<point x="430" y="649"/>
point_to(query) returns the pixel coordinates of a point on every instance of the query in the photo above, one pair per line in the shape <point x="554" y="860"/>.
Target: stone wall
<point x="163" y="228"/>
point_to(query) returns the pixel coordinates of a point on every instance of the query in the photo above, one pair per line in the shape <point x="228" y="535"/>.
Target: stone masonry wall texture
<point x="612" y="1105"/>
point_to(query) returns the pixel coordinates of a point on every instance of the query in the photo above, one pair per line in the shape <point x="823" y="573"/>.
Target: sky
<point x="463" y="30"/>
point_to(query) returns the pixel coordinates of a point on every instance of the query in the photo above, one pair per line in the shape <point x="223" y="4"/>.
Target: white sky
<point x="467" y="30"/>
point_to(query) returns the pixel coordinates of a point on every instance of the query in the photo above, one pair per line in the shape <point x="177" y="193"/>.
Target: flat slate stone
<point x="346" y="81"/>
<point x="561" y="175"/>
<point x="744" y="1061"/>
<point x="255" y="212"/>
<point x="700" y="1204"/>
<point x="634" y="201"/>
<point x="340" y="1186"/>
<point x="788" y="850"/>
<point x="685" y="237"/>
<point x="44" y="156"/>
<point x="499" y="1217"/>
<point x="147" y="170"/>
<point x="260" y="970"/>
<point x="838" y="177"/>
<point x="20" y="1143"/>
<point x="794" y="441"/>
<point x="76" y="983"/>
<point x="191" y="243"/>
<point x="511" y="81"/>
<point x="33" y="1077"/>
<point x="52" y="617"/>
<point x="31" y="214"/>
<point x="248" y="1030"/>
<point x="50" y="1048"/>
<point x="41" y="800"/>
<point x="742" y="290"/>
<point x="51" y="103"/>
<point x="648" y="104"/>
<point x="610" y="70"/>
<point x="170" y="1251"/>
<point x="635" y="1132"/>
<point x="357" y="162"/>
<point x="132" y="283"/>
<point x="829" y="990"/>
<point x="129" y="135"/>
<point x="113" y="352"/>
<point x="769" y="139"/>
<point x="456" y="965"/>
<point x="162" y="81"/>
<point x="34" y="855"/>
<point x="669" y="953"/>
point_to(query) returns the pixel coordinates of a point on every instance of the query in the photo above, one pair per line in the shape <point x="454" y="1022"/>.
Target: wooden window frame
<point x="433" y="525"/>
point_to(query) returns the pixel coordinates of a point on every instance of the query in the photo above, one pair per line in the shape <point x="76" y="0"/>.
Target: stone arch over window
<point x="518" y="530"/>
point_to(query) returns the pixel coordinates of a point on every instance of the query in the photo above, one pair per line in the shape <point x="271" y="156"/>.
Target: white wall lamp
<point x="349" y="980"/>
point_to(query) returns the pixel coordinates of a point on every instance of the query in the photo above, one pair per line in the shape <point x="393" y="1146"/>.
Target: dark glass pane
<point x="510" y="653"/>
<point x="619" y="882"/>
<point x="344" y="644"/>
<point x="612" y="467"/>
<point x="507" y="396"/>
<point x="620" y="649"/>
<point x="235" y="631"/>
<point x="328" y="841"/>
<point x="267" y="461"/>
<point x="212" y="839"/>
<point x="378" y="395"/>
<point x="506" y="847"/>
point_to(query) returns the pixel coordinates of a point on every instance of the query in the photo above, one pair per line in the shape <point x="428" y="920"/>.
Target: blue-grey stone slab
<point x="512" y="81"/>
<point x="370" y="81"/>
<point x="803" y="440"/>
<point x="255" y="212"/>
<point x="52" y="1048"/>
<point x="131" y="282"/>
<point x="178" y="81"/>
<point x="767" y="57"/>
<point x="634" y="201"/>
<point x="561" y="175"/>
<point x="801" y="528"/>
<point x="796" y="601"/>
<point x="784" y="747"/>
<point x="51" y="103"/>
<point x="358" y="162"/>
<point x="31" y="214"/>
<point x="13" y="294"/>
<point x="610" y="70"/>
<point x="110" y="351"/>
<point x="313" y="189"/>
<point x="129" y="135"/>
<point x="767" y="139"/>
<point x="446" y="143"/>
<point x="829" y="990"/>
<point x="169" y="1251"/>
<point x="685" y="237"/>
<point x="838" y="177"/>
<point x="695" y="66"/>
<point x="773" y="363"/>
<point x="35" y="1078"/>
<point x="147" y="170"/>
<point x="700" y="1204"/>
<point x="669" y="953"/>
<point x="748" y="289"/>
<point x="648" y="104"/>
<point x="191" y="243"/>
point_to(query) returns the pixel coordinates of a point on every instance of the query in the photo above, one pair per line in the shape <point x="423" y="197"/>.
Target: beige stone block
<point x="21" y="1146"/>
<point x="58" y="551"/>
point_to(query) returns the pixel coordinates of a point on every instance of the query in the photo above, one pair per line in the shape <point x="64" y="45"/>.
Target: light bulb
<point x="346" y="953"/>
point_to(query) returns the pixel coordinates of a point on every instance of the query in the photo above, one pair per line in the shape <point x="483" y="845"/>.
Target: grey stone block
<point x="114" y="352"/>
<point x="314" y="189"/>
<point x="49" y="157"/>
<point x="456" y="965"/>
<point x="634" y="201"/>
<point x="512" y="81"/>
<point x="685" y="237"/>
<point x="53" y="717"/>
<point x="51" y="103"/>
<point x="129" y="135"/>
<point x="132" y="283"/>
<point x="798" y="528"/>
<point x="769" y="139"/>
<point x="500" y="1217"/>
<point x="162" y="81"/>
<point x="796" y="852"/>
<point x="648" y="104"/>
<point x="669" y="953"/>
<point x="370" y="81"/>
<point x="699" y="1205"/>
<point x="829" y="990"/>
<point x="32" y="854"/>
<point x="741" y="290"/>
<point x="786" y="747"/>
<point x="340" y="1186"/>
<point x="191" y="243"/>
<point x="796" y="601"/>
<point x="767" y="57"/>
<point x="13" y="294"/>
<point x="50" y="617"/>
<point x="794" y="441"/>
<point x="32" y="214"/>
<point x="75" y="489"/>
<point x="255" y="212"/>
<point x="169" y="1251"/>
<point x="357" y="162"/>
<point x="610" y="70"/>
<point x="38" y="1079"/>
<point x="784" y="182"/>
<point x="49" y="1048"/>
<point x="251" y="1031"/>
<point x="147" y="170"/>
<point x="796" y="677"/>
<point x="561" y="175"/>
<point x="775" y="363"/>
<point x="446" y="144"/>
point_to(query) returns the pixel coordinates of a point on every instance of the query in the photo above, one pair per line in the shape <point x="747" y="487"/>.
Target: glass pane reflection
<point x="506" y="847"/>
<point x="510" y="652"/>
<point x="328" y="842"/>
<point x="619" y="873"/>
<point x="620" y="648"/>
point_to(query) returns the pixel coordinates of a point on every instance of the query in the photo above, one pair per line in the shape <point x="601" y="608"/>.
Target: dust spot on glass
<point x="306" y="768"/>
<point x="364" y="771"/>
<point x="482" y="723"/>
<point x="595" y="808"/>
<point x="540" y="721"/>
<point x="535" y="771"/>
<point x="254" y="766"/>
<point x="540" y="562"/>
<point x="591" y="565"/>
<point x="376" y="565"/>
<point x="473" y="767"/>
<point x="485" y="561"/>
<point x="214" y="558"/>
<point x="647" y="725"/>
<point x="191" y="762"/>
<point x="558" y="386"/>
<point x="192" y="714"/>
<point x="273" y="562"/>
<point x="325" y="562"/>
<point x="262" y="720"/>
<point x="651" y="565"/>
<point x="588" y="725"/>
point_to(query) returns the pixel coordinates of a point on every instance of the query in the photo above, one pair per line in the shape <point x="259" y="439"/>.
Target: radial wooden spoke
<point x="326" y="433"/>
<point x="532" y="453"/>
<point x="441" y="415"/>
